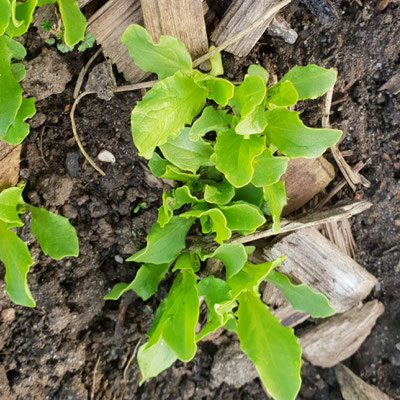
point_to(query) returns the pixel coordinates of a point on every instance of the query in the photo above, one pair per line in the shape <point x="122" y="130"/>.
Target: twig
<point x="82" y="74"/>
<point x="94" y="379"/>
<point x="41" y="147"/>
<point x="241" y="34"/>
<point x="127" y="367"/>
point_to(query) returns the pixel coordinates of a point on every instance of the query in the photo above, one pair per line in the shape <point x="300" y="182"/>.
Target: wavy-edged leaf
<point x="164" y="169"/>
<point x="282" y="94"/>
<point x="10" y="202"/>
<point x="268" y="168"/>
<point x="185" y="153"/>
<point x="164" y="111"/>
<point x="273" y="348"/>
<point x="23" y="16"/>
<point x="234" y="156"/>
<point x="302" y="297"/>
<point x="219" y="192"/>
<point x="250" y="194"/>
<point x="145" y="283"/>
<point x="220" y="90"/>
<point x="254" y="122"/>
<point x="255" y="69"/>
<point x="243" y="217"/>
<point x="18" y="70"/>
<point x="5" y="15"/>
<point x="291" y="137"/>
<point x="165" y="58"/>
<point x="210" y="120"/>
<point x="56" y="236"/>
<point x="164" y="244"/>
<point x="311" y="81"/>
<point x="275" y="196"/>
<point x="74" y="21"/>
<point x="14" y="253"/>
<point x="188" y="260"/>
<point x="216" y="64"/>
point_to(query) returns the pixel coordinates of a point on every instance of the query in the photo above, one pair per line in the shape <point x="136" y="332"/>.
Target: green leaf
<point x="154" y="359"/>
<point x="74" y="21"/>
<point x="210" y="120"/>
<point x="268" y="169"/>
<point x="46" y="25"/>
<point x="273" y="348"/>
<point x="165" y="58"/>
<point x="302" y="297"/>
<point x="18" y="70"/>
<point x="15" y="255"/>
<point x="219" y="193"/>
<point x="233" y="256"/>
<point x="282" y="94"/>
<point x="254" y="122"/>
<point x="56" y="236"/>
<point x="164" y="169"/>
<point x="5" y="15"/>
<point x="10" y="201"/>
<point x="250" y="194"/>
<point x="164" y="244"/>
<point x="220" y="90"/>
<point x="64" y="48"/>
<point x="188" y="260"/>
<point x="218" y="223"/>
<point x="234" y="155"/>
<point x="243" y="217"/>
<point x="185" y="153"/>
<point x="19" y="129"/>
<point x="287" y="132"/>
<point x="255" y="69"/>
<point x="50" y="41"/>
<point x="311" y="81"/>
<point x="216" y="64"/>
<point x="87" y="42"/>
<point x="145" y="283"/>
<point x="248" y="95"/>
<point x="275" y="196"/>
<point x="164" y="111"/>
<point x="23" y="16"/>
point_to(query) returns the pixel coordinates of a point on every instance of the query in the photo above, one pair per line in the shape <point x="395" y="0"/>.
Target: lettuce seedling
<point x="228" y="144"/>
<point x="55" y="235"/>
<point x="15" y="19"/>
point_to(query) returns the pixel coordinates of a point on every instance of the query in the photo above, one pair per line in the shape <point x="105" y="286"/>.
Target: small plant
<point x="229" y="161"/>
<point x="15" y="19"/>
<point x="55" y="235"/>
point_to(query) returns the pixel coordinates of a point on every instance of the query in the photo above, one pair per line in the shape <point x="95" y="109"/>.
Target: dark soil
<point x="51" y="352"/>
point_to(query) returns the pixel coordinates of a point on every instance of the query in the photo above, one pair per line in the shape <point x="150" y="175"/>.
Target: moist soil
<point x="75" y="345"/>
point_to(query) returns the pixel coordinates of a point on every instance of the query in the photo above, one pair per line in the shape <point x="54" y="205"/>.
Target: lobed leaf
<point x="220" y="90"/>
<point x="254" y="122"/>
<point x="22" y="16"/>
<point x="287" y="132"/>
<point x="302" y="297"/>
<point x="165" y="58"/>
<point x="219" y="192"/>
<point x="243" y="217"/>
<point x="275" y="196"/>
<point x="10" y="202"/>
<point x="5" y="15"/>
<point x="188" y="260"/>
<point x="164" y="169"/>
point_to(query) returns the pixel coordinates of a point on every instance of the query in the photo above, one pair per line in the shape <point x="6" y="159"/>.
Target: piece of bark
<point x="83" y="3"/>
<point x="354" y="388"/>
<point x="339" y="337"/>
<point x="339" y="233"/>
<point x="182" y="19"/>
<point x="304" y="178"/>
<point x="239" y="16"/>
<point x="314" y="260"/>
<point x="108" y="24"/>
<point x="392" y="85"/>
<point x="9" y="164"/>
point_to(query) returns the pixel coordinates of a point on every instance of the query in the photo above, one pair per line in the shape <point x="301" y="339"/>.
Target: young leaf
<point x="268" y="169"/>
<point x="188" y="260"/>
<point x="216" y="64"/>
<point x="164" y="111"/>
<point x="255" y="69"/>
<point x="302" y="297"/>
<point x="311" y="81"/>
<point x="275" y="196"/>
<point x="234" y="155"/>
<point x="248" y="95"/>
<point x="233" y="255"/>
<point x="10" y="200"/>
<point x="273" y="348"/>
<point x="87" y="42"/>
<point x="46" y="25"/>
<point x="243" y="217"/>
<point x="14" y="253"/>
<point x="254" y="122"/>
<point x="164" y="244"/>
<point x="5" y="15"/>
<point x="287" y="132"/>
<point x="210" y="120"/>
<point x="23" y="16"/>
<point x="74" y="21"/>
<point x="282" y="94"/>
<point x="219" y="193"/>
<point x="185" y="153"/>
<point x="250" y="194"/>
<point x="145" y="283"/>
<point x="165" y="58"/>
<point x="64" y="48"/>
<point x="154" y="359"/>
<point x="56" y="236"/>
<point x="19" y="71"/>
<point x="220" y="90"/>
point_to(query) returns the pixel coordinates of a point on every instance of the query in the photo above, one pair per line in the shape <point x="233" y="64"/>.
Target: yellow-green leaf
<point x="74" y="21"/>
<point x="275" y="196"/>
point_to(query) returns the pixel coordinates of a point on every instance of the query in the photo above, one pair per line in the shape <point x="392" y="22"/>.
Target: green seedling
<point x="228" y="146"/>
<point x="55" y="235"/>
<point x="15" y="19"/>
<point x="139" y="207"/>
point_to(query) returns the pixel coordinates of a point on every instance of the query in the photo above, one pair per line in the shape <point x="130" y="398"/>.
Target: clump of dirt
<point x="51" y="352"/>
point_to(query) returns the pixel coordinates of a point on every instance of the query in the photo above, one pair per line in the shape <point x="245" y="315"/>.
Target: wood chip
<point x="314" y="260"/>
<point x="392" y="85"/>
<point x="340" y="336"/>
<point x="9" y="164"/>
<point x="354" y="388"/>
<point x="339" y="233"/>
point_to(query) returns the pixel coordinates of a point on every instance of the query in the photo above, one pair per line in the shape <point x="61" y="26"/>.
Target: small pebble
<point x="8" y="314"/>
<point x="72" y="163"/>
<point x="24" y="173"/>
<point x="378" y="65"/>
<point x="119" y="259"/>
<point x="398" y="346"/>
<point x="106" y="156"/>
